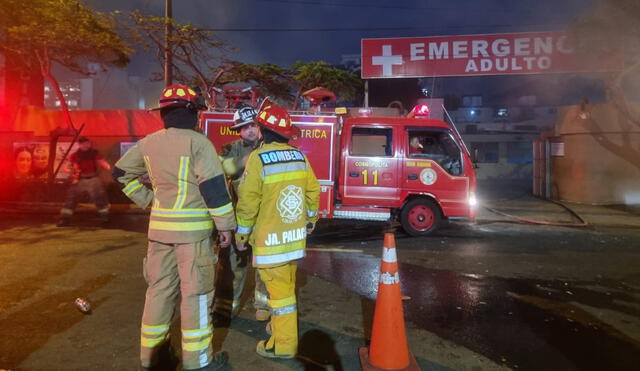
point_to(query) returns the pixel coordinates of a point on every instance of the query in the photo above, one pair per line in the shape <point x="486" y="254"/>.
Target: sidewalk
<point x="514" y="197"/>
<point x="529" y="208"/>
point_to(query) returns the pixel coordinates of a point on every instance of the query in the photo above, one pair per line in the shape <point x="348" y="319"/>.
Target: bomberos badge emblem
<point x="428" y="176"/>
<point x="290" y="204"/>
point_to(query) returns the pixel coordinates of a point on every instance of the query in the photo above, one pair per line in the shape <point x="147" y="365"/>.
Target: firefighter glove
<point x="310" y="227"/>
<point x="241" y="240"/>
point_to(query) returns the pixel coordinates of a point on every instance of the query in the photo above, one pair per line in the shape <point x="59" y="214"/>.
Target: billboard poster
<point x="474" y="55"/>
<point x="31" y="160"/>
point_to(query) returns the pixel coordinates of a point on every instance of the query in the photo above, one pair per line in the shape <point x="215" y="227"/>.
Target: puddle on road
<point x="520" y="323"/>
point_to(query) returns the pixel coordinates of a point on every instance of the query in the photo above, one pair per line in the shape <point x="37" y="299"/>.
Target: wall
<point x="501" y="156"/>
<point x="106" y="129"/>
<point x="601" y="160"/>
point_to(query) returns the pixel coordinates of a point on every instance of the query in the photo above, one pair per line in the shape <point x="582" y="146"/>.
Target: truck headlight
<point x="473" y="201"/>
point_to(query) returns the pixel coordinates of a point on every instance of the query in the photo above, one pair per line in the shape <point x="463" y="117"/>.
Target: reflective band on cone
<point x="389" y="255"/>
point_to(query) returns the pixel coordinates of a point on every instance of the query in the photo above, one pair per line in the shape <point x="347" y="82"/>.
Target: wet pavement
<point x="493" y="295"/>
<point x="525" y="324"/>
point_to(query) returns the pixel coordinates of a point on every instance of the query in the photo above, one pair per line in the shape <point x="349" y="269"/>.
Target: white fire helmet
<point x="243" y="116"/>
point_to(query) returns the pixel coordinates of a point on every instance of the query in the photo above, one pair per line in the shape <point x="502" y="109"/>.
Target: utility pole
<point x="168" y="55"/>
<point x="366" y="93"/>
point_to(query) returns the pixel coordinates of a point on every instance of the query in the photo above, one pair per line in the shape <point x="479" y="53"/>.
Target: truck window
<point x="438" y="146"/>
<point x="371" y="142"/>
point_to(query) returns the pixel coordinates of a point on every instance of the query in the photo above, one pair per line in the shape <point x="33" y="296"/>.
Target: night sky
<point x="284" y="31"/>
<point x="314" y="29"/>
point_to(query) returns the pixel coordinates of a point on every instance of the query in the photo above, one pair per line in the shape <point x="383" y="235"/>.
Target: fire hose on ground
<point x="522" y="220"/>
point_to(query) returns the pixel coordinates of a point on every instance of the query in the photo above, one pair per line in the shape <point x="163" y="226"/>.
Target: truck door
<point x="434" y="165"/>
<point x="370" y="167"/>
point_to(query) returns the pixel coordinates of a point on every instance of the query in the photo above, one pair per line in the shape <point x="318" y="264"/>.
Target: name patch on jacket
<point x="273" y="157"/>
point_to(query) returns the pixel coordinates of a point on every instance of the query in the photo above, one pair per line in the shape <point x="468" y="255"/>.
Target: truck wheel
<point x="420" y="217"/>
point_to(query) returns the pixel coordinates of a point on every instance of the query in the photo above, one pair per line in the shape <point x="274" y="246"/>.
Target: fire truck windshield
<point x="438" y="146"/>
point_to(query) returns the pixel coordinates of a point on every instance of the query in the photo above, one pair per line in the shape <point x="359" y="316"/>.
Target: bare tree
<point x="61" y="31"/>
<point x="65" y="32"/>
<point x="197" y="53"/>
<point x="612" y="27"/>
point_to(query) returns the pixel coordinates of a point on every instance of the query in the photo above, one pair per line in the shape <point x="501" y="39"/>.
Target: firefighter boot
<point x="104" y="217"/>
<point x="64" y="221"/>
<point x="219" y="362"/>
<point x="166" y="359"/>
<point x="270" y="353"/>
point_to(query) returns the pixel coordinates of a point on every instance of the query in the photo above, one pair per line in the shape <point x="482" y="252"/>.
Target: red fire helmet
<point x="178" y="95"/>
<point x="277" y="119"/>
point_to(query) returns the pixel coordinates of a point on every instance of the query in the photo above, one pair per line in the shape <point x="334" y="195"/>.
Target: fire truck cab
<point x="415" y="170"/>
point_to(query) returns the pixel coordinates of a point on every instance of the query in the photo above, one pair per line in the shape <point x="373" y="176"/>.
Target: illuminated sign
<point x="495" y="54"/>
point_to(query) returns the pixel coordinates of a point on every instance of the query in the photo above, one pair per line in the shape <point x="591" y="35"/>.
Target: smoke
<point x="632" y="198"/>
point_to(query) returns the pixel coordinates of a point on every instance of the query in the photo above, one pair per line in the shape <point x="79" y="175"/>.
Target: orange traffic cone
<point x="388" y="349"/>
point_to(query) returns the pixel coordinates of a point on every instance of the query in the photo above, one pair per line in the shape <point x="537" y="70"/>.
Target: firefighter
<point x="85" y="163"/>
<point x="190" y="198"/>
<point x="415" y="147"/>
<point x="277" y="208"/>
<point x="234" y="157"/>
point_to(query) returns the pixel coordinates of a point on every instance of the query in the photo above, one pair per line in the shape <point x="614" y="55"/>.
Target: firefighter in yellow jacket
<point x="190" y="198"/>
<point x="277" y="208"/>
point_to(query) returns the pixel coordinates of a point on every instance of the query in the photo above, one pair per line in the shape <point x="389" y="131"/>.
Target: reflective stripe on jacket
<point x="278" y="196"/>
<point x="189" y="194"/>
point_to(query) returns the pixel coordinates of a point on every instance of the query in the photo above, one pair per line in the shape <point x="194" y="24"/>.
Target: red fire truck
<point x="416" y="170"/>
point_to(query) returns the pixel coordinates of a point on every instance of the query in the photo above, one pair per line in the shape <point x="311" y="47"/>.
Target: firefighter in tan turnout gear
<point x="277" y="208"/>
<point x="234" y="263"/>
<point x="190" y="198"/>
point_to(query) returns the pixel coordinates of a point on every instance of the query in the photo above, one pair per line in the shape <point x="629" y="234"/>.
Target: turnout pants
<point x="281" y="285"/>
<point x="232" y="276"/>
<point x="171" y="270"/>
<point x="94" y="187"/>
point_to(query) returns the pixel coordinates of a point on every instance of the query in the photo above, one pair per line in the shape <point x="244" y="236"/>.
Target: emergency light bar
<point x="364" y="112"/>
<point x="421" y="110"/>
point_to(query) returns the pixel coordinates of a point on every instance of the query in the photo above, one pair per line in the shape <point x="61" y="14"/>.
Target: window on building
<point x="527" y="100"/>
<point x="485" y="152"/>
<point x="519" y="152"/>
<point x="472" y="101"/>
<point x="371" y="142"/>
<point x="502" y="112"/>
<point x="525" y="127"/>
<point x="70" y="91"/>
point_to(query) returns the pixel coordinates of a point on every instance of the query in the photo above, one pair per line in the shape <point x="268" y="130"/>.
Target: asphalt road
<point x="487" y="296"/>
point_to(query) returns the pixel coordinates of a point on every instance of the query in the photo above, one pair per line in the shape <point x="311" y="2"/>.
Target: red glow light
<point x="421" y="110"/>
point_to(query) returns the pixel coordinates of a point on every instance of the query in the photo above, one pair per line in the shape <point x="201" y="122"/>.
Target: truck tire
<point x="420" y="217"/>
